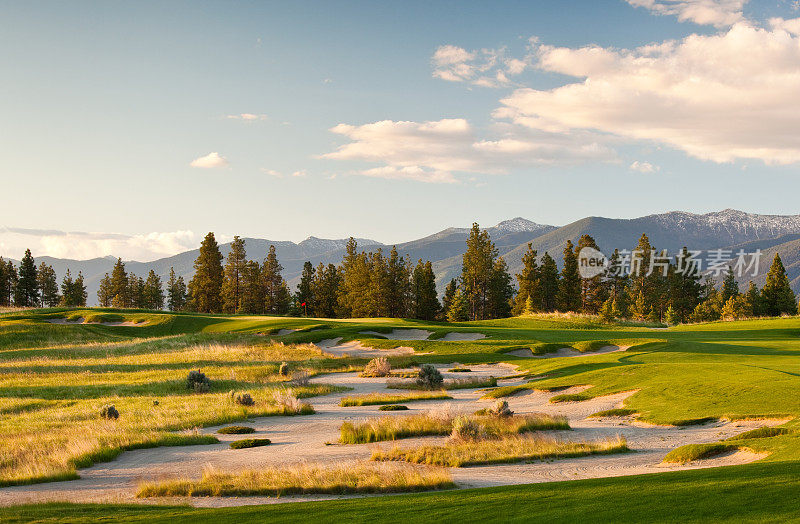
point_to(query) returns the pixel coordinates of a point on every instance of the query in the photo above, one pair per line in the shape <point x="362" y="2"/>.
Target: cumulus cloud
<point x="643" y="167"/>
<point x="721" y="97"/>
<point x="719" y="13"/>
<point x="210" y="161"/>
<point x="486" y="67"/>
<point x="300" y="173"/>
<point x="247" y="117"/>
<point x="83" y="245"/>
<point x="272" y="172"/>
<point x="434" y="151"/>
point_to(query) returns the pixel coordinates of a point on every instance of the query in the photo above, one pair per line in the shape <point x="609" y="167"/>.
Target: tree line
<point x="378" y="284"/>
<point x="32" y="286"/>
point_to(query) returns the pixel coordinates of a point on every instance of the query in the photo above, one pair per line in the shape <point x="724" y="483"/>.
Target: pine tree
<point x="327" y="282"/>
<point x="607" y="310"/>
<point x="459" y="308"/>
<point x="425" y="303"/>
<point x="79" y="294"/>
<point x="276" y="292"/>
<point x="447" y="299"/>
<point x="48" y="285"/>
<point x="730" y="288"/>
<point x="476" y="271"/>
<point x="233" y="274"/>
<point x="377" y="290"/>
<point x="569" y="286"/>
<point x="120" y="287"/>
<point x="398" y="299"/>
<point x="153" y="293"/>
<point x="594" y="290"/>
<point x="176" y="292"/>
<point x="305" y="290"/>
<point x="617" y="280"/>
<point x="641" y="284"/>
<point x="26" y="293"/>
<point x="67" y="289"/>
<point x="7" y="282"/>
<point x="105" y="293"/>
<point x="548" y="283"/>
<point x="501" y="292"/>
<point x="684" y="288"/>
<point x="136" y="292"/>
<point x="252" y="299"/>
<point x="205" y="288"/>
<point x="616" y="310"/>
<point x="528" y="280"/>
<point x="753" y="300"/>
<point x="777" y="295"/>
<point x="736" y="308"/>
<point x="653" y="316"/>
<point x="354" y="299"/>
<point x="671" y="316"/>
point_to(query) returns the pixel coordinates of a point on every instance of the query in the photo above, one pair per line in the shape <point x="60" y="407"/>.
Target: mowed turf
<point x="681" y="375"/>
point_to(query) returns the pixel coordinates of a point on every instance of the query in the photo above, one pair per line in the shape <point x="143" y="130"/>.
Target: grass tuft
<point x="236" y="430"/>
<point x="375" y="399"/>
<point x="250" y="443"/>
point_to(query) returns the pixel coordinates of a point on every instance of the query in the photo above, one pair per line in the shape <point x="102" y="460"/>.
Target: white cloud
<point x="210" y="161"/>
<point x="83" y="246"/>
<point x="247" y="117"/>
<point x="272" y="172"/>
<point x="721" y="97"/>
<point x="300" y="173"/>
<point x="643" y="167"/>
<point x="486" y="67"/>
<point x="719" y="13"/>
<point x="434" y="151"/>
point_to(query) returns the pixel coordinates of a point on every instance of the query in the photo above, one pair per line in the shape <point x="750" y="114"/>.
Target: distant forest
<point x="378" y="284"/>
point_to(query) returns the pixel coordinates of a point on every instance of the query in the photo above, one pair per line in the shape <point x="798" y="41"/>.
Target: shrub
<point x="465" y="429"/>
<point x="244" y="399"/>
<point x="501" y="409"/>
<point x="109" y="412"/>
<point x="459" y="370"/>
<point x="236" y="430"/>
<point x="198" y="381"/>
<point x="301" y="378"/>
<point x="250" y="443"/>
<point x="283" y="370"/>
<point x="429" y="377"/>
<point x="765" y="432"/>
<point x="286" y="399"/>
<point x="393" y="407"/>
<point x="377" y="367"/>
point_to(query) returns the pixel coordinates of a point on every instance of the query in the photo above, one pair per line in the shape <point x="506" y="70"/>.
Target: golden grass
<point x="376" y="399"/>
<point x="513" y="448"/>
<point x="304" y="479"/>
<point x="441" y="423"/>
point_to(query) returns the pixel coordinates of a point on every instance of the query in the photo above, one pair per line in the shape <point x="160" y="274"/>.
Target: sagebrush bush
<point x="501" y="409"/>
<point x="198" y="381"/>
<point x="283" y="370"/>
<point x="301" y="378"/>
<point x="429" y="377"/>
<point x="377" y="367"/>
<point x="244" y="399"/>
<point x="109" y="412"/>
<point x="465" y="428"/>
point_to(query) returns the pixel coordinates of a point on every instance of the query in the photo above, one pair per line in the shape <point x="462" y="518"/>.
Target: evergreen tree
<point x="594" y="290"/>
<point x="233" y="275"/>
<point x="120" y="287"/>
<point x="252" y="291"/>
<point x="500" y="292"/>
<point x="569" y="286"/>
<point x="7" y="282"/>
<point x="276" y="292"/>
<point x="327" y="282"/>
<point x="684" y="288"/>
<point x="79" y="294"/>
<point x="459" y="308"/>
<point x="671" y="316"/>
<point x="730" y="288"/>
<point x="153" y="293"/>
<point x="753" y="300"/>
<point x="67" y="289"/>
<point x="644" y="285"/>
<point x="476" y="272"/>
<point x="176" y="292"/>
<point x="305" y="290"/>
<point x="607" y="310"/>
<point x="548" y="283"/>
<point x="48" y="286"/>
<point x="105" y="293"/>
<point x="777" y="295"/>
<point x="736" y="308"/>
<point x="425" y="303"/>
<point x="528" y="280"/>
<point x="26" y="293"/>
<point x="377" y="290"/>
<point x="617" y="279"/>
<point x="354" y="300"/>
<point x="447" y="299"/>
<point x="136" y="292"/>
<point x="398" y="295"/>
<point x="205" y="288"/>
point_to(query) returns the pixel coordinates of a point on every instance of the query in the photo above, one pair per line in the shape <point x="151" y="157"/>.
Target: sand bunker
<point x="81" y="320"/>
<point x="284" y="331"/>
<point x="401" y="334"/>
<point x="356" y="349"/>
<point x="462" y="337"/>
<point x="567" y="352"/>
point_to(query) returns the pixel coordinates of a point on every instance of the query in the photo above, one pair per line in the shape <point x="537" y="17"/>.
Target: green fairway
<point x="55" y="378"/>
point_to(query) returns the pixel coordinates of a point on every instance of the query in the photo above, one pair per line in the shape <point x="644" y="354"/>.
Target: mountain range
<point x="727" y="229"/>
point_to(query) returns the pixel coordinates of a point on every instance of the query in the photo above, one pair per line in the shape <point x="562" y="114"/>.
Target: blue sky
<point x="447" y="114"/>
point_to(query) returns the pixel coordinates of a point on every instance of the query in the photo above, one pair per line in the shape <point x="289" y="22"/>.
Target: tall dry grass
<point x="282" y="480"/>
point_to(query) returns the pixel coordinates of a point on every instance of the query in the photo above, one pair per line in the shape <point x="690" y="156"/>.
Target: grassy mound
<point x="376" y="399"/>
<point x="236" y="430"/>
<point x="250" y="443"/>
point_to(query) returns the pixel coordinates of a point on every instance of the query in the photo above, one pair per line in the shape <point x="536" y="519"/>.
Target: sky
<point x="133" y="128"/>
